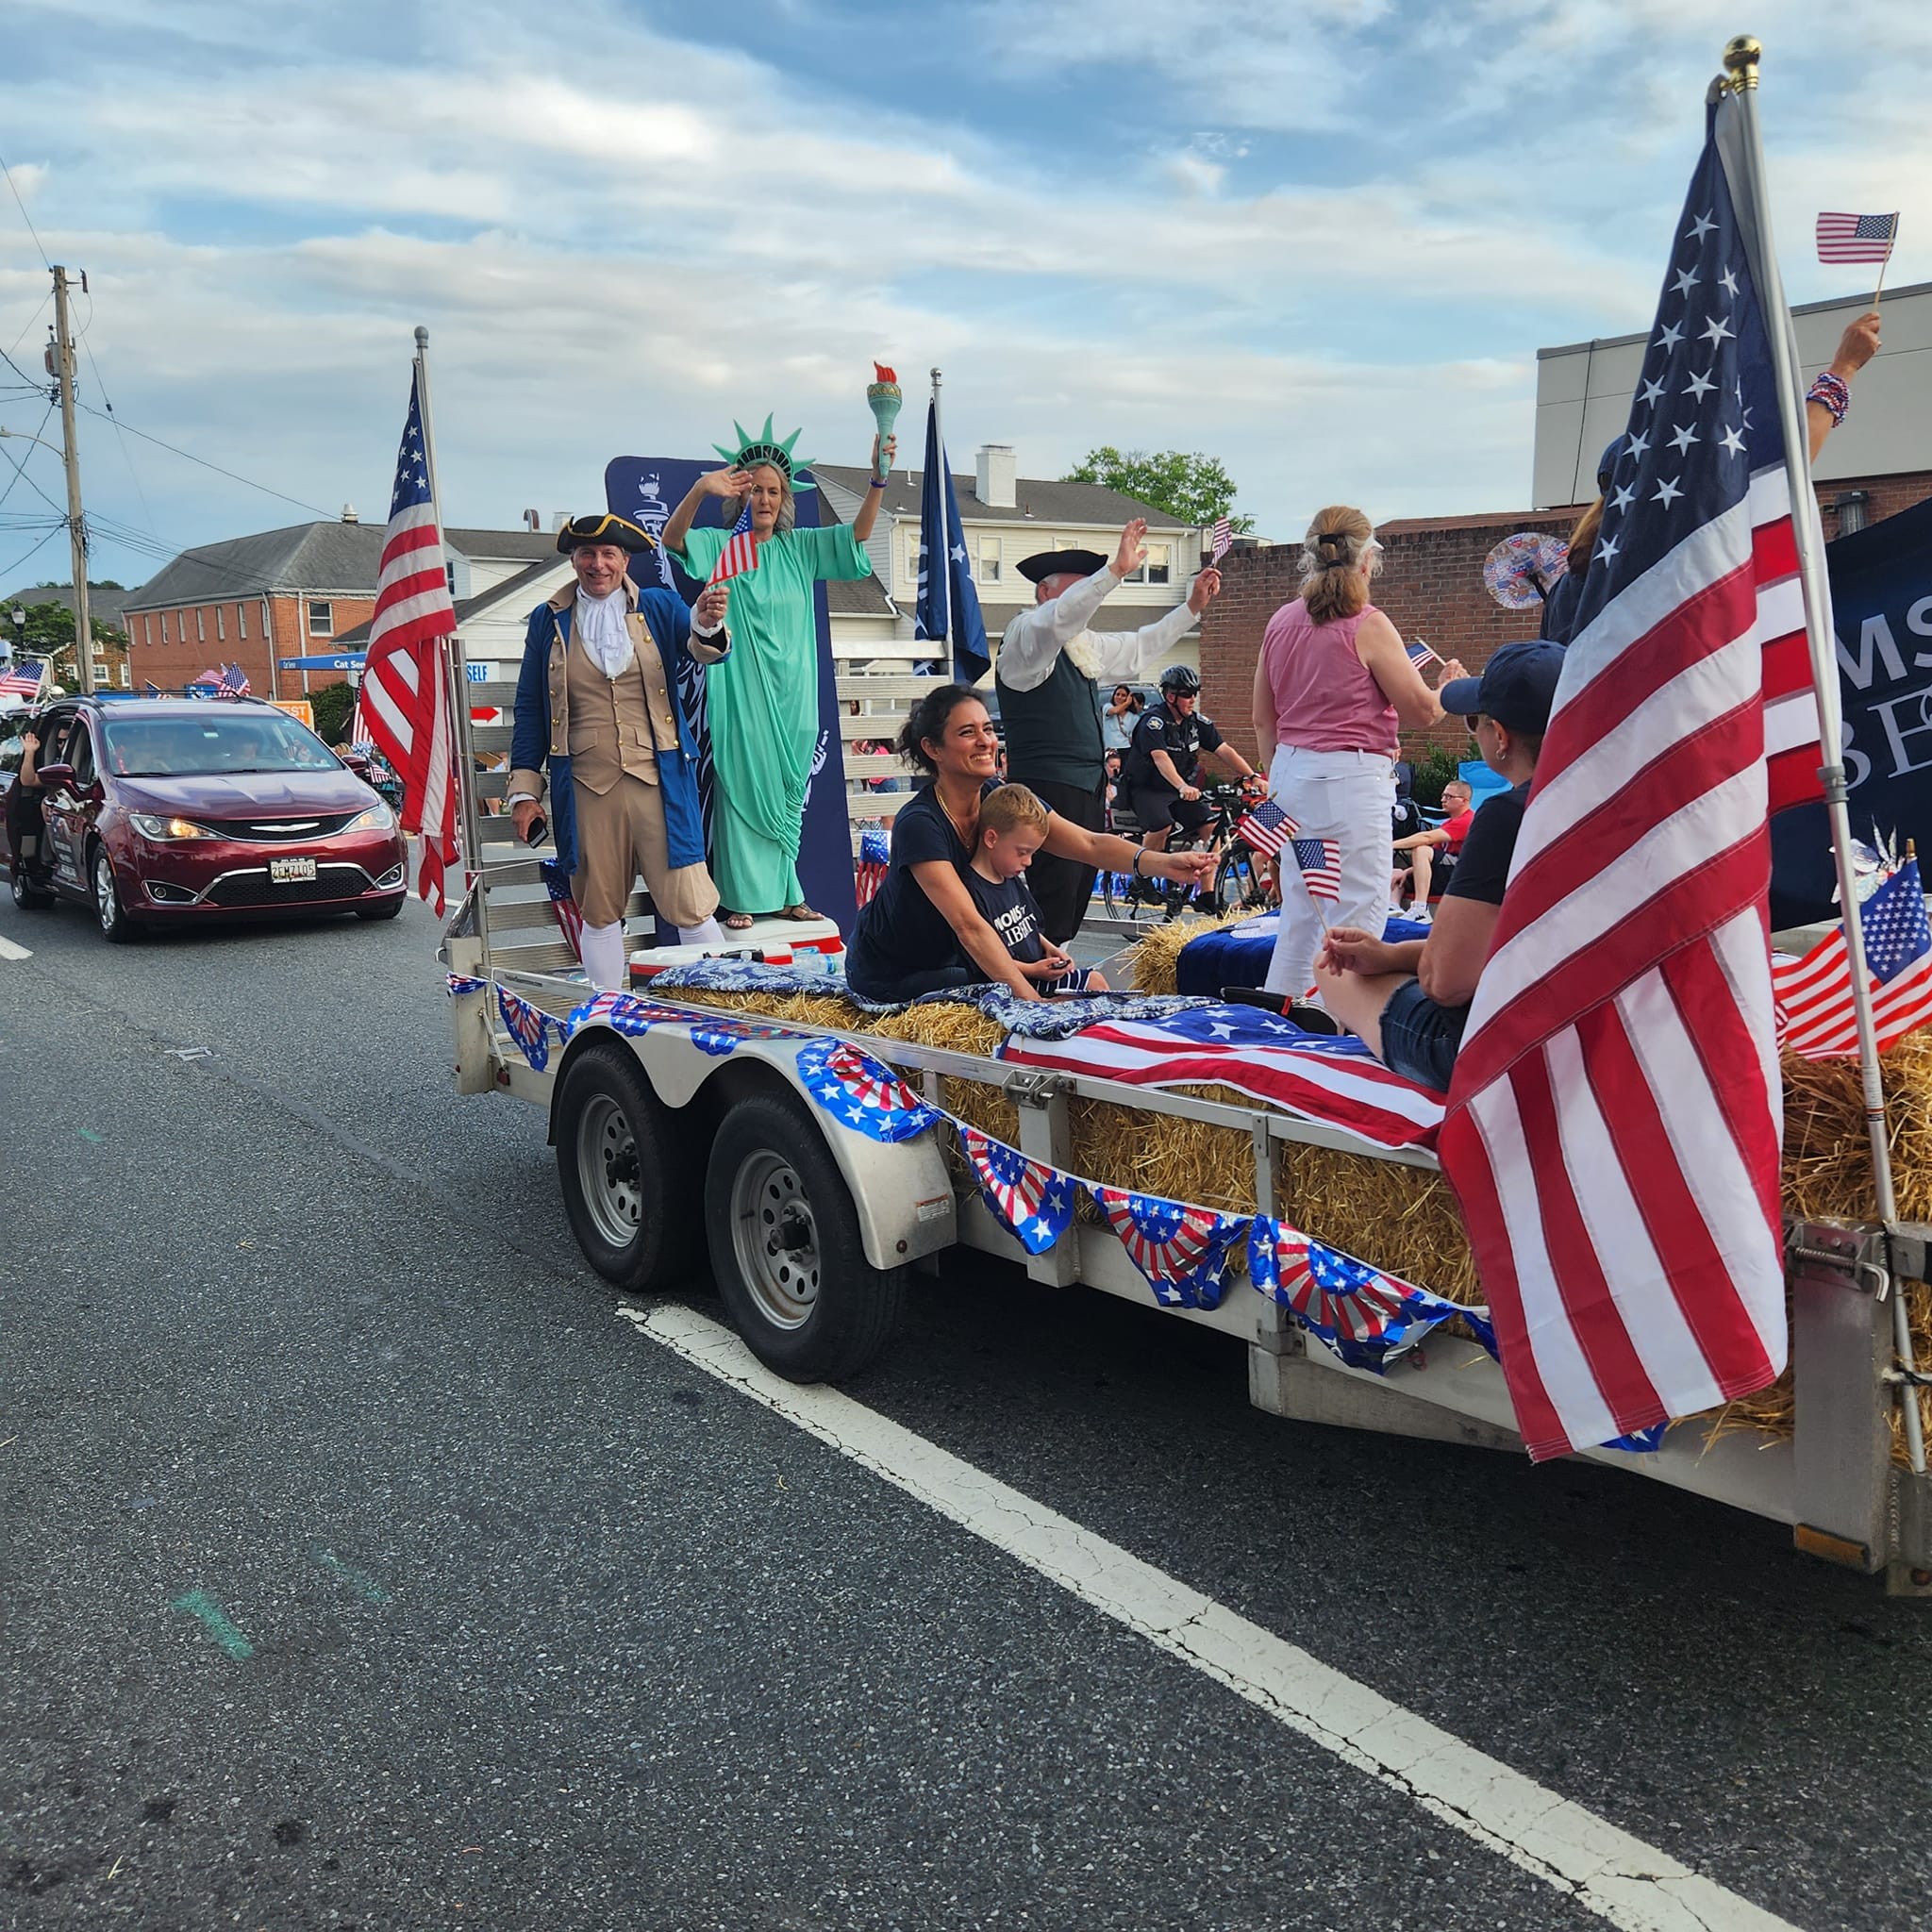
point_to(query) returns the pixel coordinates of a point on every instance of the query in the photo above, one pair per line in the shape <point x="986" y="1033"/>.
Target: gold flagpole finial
<point x="1741" y="56"/>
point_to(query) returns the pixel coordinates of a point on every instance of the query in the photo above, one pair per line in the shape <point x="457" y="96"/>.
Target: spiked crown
<point x="766" y="448"/>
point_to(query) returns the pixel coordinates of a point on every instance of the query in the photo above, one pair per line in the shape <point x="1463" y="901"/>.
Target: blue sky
<point x="1323" y="241"/>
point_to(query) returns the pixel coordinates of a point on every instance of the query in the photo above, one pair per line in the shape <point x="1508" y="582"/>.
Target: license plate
<point x="286" y="872"/>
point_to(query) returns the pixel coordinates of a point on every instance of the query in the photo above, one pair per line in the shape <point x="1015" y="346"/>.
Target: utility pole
<point x="62" y="371"/>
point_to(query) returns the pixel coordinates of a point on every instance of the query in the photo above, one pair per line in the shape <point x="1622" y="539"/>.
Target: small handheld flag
<point x="739" y="554"/>
<point x="1420" y="654"/>
<point x="1267" y="829"/>
<point x="1222" y="542"/>
<point x="1856" y="238"/>
<point x="1320" y="862"/>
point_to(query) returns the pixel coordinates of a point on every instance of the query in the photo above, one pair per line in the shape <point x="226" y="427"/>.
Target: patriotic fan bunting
<point x="858" y="1092"/>
<point x="1032" y="1202"/>
<point x="529" y="1027"/>
<point x="462" y="982"/>
<point x="1367" y="1317"/>
<point x="1181" y="1250"/>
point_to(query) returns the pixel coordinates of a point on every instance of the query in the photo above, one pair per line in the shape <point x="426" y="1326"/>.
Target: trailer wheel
<point x="629" y="1175"/>
<point x="785" y="1247"/>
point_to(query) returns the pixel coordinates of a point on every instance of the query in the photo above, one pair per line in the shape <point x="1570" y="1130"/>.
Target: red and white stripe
<point x="1353" y="1091"/>
<point x="739" y="554"/>
<point x="1814" y="1000"/>
<point x="405" y="695"/>
<point x="1614" y="1121"/>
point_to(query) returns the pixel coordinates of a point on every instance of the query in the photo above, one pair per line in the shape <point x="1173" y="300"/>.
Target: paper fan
<point x="1521" y="569"/>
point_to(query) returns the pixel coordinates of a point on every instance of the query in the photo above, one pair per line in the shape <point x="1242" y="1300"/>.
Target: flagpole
<point x="454" y="670"/>
<point x="1740" y="57"/>
<point x="943" y="560"/>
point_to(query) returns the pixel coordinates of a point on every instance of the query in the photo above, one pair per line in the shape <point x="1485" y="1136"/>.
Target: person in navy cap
<point x="1409" y="1001"/>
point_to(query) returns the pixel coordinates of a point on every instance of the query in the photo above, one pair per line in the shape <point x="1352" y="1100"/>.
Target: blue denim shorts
<point x="1419" y="1037"/>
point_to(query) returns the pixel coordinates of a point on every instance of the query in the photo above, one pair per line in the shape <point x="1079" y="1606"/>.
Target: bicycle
<point x="1239" y="880"/>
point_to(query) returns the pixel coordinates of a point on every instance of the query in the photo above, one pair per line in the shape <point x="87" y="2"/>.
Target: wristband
<point x="1140" y="853"/>
<point x="1834" y="392"/>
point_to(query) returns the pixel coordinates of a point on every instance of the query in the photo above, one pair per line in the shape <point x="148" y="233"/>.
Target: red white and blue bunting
<point x="1032" y="1202"/>
<point x="861" y="1093"/>
<point x="1181" y="1250"/>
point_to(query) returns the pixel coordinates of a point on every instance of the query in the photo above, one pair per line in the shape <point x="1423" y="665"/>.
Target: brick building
<point x="1432" y="587"/>
<point x="292" y="592"/>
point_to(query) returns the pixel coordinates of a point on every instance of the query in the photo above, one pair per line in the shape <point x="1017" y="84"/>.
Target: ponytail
<point x="1333" y="586"/>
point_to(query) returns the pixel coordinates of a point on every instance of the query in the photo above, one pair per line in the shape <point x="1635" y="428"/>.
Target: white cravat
<point x="601" y="625"/>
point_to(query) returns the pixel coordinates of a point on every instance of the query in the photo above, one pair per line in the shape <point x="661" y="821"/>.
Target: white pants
<point x="1348" y="796"/>
<point x="606" y="964"/>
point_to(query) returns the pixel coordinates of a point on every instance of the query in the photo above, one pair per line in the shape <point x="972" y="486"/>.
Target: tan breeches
<point x="621" y="834"/>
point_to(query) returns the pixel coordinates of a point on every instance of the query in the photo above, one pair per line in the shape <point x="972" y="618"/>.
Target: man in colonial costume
<point x="597" y="706"/>
<point x="1050" y="673"/>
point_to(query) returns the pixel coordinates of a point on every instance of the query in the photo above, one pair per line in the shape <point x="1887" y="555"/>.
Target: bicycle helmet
<point x="1181" y="677"/>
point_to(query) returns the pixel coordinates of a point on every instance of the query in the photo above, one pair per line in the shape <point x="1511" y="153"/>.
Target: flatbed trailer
<point x="673" y="1156"/>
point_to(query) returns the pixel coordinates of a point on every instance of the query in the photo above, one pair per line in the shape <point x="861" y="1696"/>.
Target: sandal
<point x="799" y="911"/>
<point x="735" y="921"/>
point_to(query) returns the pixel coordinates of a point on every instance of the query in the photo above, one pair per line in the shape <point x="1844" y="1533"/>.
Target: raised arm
<point x="712" y="483"/>
<point x="1378" y="644"/>
<point x="1855" y="348"/>
<point x="875" y="487"/>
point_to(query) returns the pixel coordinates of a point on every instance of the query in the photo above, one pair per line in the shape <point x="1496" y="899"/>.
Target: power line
<point x="315" y="508"/>
<point x="107" y="403"/>
<point x="7" y="573"/>
<point x="19" y="475"/>
<point x="24" y="215"/>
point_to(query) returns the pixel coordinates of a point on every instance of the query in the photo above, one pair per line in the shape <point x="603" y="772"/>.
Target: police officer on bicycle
<point x="1164" y="759"/>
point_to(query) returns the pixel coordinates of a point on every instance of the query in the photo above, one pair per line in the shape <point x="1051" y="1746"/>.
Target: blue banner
<point x="948" y="605"/>
<point x="646" y="490"/>
<point x="1881" y="596"/>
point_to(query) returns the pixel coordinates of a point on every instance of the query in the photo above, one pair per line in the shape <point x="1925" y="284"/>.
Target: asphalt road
<point x="362" y="1567"/>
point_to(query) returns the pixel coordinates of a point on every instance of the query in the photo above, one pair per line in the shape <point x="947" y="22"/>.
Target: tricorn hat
<point x="1053" y="563"/>
<point x="604" y="528"/>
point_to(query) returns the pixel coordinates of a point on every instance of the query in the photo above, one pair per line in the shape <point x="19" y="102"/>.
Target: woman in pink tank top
<point x="1332" y="686"/>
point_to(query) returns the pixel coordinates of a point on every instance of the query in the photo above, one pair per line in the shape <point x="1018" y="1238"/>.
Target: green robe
<point x="763" y="705"/>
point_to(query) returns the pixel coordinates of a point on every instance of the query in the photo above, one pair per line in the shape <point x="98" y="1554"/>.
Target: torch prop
<point x="884" y="400"/>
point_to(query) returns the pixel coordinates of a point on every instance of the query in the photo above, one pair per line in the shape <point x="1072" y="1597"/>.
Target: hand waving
<point x="1133" y="551"/>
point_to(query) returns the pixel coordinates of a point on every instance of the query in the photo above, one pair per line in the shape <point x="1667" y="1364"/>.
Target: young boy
<point x="1012" y="823"/>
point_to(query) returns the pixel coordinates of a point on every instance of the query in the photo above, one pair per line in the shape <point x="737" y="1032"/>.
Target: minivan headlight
<point x="150" y="825"/>
<point x="378" y="818"/>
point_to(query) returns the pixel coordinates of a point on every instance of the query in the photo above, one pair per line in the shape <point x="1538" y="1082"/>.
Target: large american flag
<point x="1814" y="993"/>
<point x="1332" y="1078"/>
<point x="404" y="702"/>
<point x="1856" y="238"/>
<point x="1613" y="1123"/>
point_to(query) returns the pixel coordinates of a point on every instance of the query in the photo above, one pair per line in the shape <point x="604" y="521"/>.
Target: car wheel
<point x="387" y="911"/>
<point x="27" y="897"/>
<point x="116" y="928"/>
<point x="629" y="1173"/>
<point x="785" y="1247"/>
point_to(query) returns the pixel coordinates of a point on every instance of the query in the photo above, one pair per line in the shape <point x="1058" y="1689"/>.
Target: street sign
<point x="346" y="661"/>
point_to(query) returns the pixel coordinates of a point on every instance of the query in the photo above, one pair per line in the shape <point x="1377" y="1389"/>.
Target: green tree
<point x="332" y="704"/>
<point x="48" y="632"/>
<point x="1192" y="487"/>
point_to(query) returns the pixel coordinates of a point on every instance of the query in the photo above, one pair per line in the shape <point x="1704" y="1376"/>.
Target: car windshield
<point x="225" y="741"/>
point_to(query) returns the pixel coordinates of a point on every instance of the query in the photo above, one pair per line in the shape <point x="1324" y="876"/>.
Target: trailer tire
<point x="786" y="1248"/>
<point x="629" y="1175"/>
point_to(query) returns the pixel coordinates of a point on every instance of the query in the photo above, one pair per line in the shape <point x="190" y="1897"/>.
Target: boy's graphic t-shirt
<point x="1009" y="907"/>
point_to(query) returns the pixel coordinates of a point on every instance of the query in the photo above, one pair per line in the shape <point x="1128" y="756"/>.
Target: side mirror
<point x="48" y="776"/>
<point x="358" y="764"/>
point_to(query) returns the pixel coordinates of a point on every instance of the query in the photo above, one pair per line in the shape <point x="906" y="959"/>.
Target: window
<point x="988" y="560"/>
<point x="240" y="620"/>
<point x="321" y="619"/>
<point x="220" y="623"/>
<point x="449" y="573"/>
<point x="200" y="628"/>
<point x="912" y="556"/>
<point x="148" y="629"/>
<point x="1158" y="567"/>
<point x="127" y="681"/>
<point x="164" y="626"/>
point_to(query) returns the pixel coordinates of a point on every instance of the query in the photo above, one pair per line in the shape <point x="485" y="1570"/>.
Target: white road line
<point x="1604" y="1869"/>
<point x="10" y="951"/>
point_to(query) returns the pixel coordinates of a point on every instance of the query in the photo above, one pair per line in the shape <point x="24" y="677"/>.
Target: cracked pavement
<point x="547" y="1627"/>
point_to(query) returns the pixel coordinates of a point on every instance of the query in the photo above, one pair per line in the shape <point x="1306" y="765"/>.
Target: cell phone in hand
<point x="540" y="830"/>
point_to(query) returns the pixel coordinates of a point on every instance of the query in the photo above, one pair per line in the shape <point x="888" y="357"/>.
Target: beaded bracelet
<point x="1834" y="392"/>
<point x="877" y="482"/>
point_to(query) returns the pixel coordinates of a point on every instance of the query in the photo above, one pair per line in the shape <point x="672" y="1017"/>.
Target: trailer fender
<point x="901" y="1190"/>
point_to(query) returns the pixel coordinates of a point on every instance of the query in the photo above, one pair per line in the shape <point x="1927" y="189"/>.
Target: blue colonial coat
<point x="540" y="740"/>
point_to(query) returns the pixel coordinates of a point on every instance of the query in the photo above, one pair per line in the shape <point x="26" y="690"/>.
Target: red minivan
<point x="160" y="809"/>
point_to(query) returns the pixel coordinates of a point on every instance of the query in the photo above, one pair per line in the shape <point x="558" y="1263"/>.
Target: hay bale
<point x="1154" y="959"/>
<point x="1828" y="1165"/>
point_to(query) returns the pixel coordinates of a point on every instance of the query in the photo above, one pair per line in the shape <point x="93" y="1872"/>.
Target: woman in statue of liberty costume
<point x="763" y="701"/>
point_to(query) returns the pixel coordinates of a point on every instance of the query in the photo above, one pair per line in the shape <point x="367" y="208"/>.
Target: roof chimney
<point x="349" y="515"/>
<point x="996" y="477"/>
<point x="559" y="517"/>
<point x="533" y="520"/>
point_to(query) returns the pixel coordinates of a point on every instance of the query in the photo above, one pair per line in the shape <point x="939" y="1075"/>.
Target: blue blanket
<point x="1237" y="955"/>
